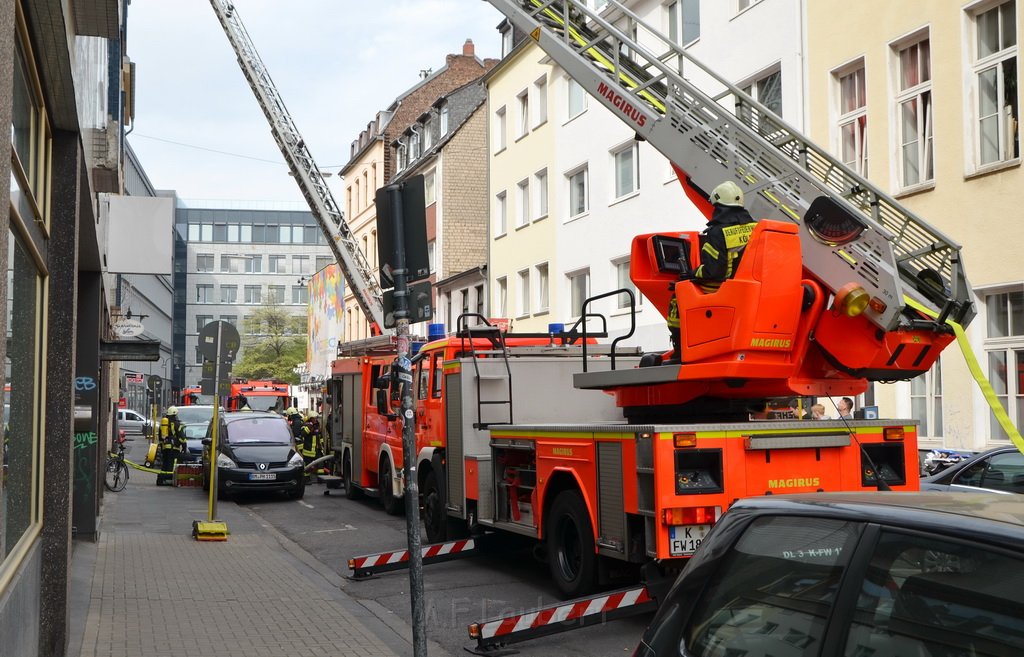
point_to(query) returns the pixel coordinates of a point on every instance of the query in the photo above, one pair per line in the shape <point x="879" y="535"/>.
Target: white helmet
<point x="727" y="193"/>
<point x="172" y="410"/>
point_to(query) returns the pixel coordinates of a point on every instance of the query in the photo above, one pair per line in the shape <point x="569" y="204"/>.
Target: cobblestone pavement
<point x="147" y="588"/>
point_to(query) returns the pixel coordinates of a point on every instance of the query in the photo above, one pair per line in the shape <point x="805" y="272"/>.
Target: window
<point x="577" y="98"/>
<point x="284" y="235"/>
<point x="501" y="297"/>
<point x="500" y="215"/>
<point x="523" y="101"/>
<point x="444" y="119"/>
<point x="543" y="285"/>
<point x="254" y="264"/>
<point x="999" y="471"/>
<point x="301" y="265"/>
<point x="464" y="301"/>
<point x="1004" y="347"/>
<point x="578" y="201"/>
<point x="432" y="256"/>
<point x="206" y="234"/>
<point x="275" y="293"/>
<point x="499" y="130"/>
<point x="579" y="290"/>
<point x="624" y="282"/>
<point x="300" y="294"/>
<point x="276" y="264"/>
<point x="540" y="88"/>
<point x="229" y="294"/>
<point x="245" y="233"/>
<point x="204" y="262"/>
<point x="252" y="294"/>
<point x="230" y="319"/>
<point x="926" y="401"/>
<point x="202" y="320"/>
<point x="428" y="134"/>
<point x="743" y="4"/>
<point x="540" y="180"/>
<point x="773" y="588"/>
<point x="414" y="146"/>
<point x="683" y="21"/>
<point x="523" y="203"/>
<point x="228" y="264"/>
<point x="479" y="295"/>
<point x="429" y="188"/>
<point x="204" y="293"/>
<point x="322" y="262"/>
<point x="523" y="293"/>
<point x="232" y="232"/>
<point x="914" y="114"/>
<point x="199" y="357"/>
<point x="401" y="156"/>
<point x="768" y="91"/>
<point x="853" y="119"/>
<point x="193" y="232"/>
<point x="994" y="65"/>
<point x="916" y="588"/>
<point x="507" y="41"/>
<point x="627" y="176"/>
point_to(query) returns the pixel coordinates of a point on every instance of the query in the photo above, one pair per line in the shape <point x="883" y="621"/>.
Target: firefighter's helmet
<point x="288" y="412"/>
<point x="312" y="415"/>
<point x="172" y="410"/>
<point x="727" y="193"/>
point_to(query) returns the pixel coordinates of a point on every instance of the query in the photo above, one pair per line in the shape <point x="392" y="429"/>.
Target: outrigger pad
<point x="209" y="530"/>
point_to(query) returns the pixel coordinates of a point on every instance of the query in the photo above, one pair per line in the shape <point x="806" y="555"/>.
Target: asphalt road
<point x="334" y="529"/>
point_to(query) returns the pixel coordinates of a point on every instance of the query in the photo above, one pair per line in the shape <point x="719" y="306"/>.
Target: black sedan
<point x="255" y="452"/>
<point x="998" y="470"/>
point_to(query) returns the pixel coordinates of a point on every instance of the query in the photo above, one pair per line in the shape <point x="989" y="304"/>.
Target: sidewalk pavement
<point x="147" y="588"/>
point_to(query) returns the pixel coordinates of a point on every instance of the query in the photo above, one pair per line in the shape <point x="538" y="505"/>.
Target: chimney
<point x="467" y="49"/>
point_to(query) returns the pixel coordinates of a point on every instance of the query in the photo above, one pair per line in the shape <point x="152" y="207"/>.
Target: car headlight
<point x="225" y="462"/>
<point x="296" y="461"/>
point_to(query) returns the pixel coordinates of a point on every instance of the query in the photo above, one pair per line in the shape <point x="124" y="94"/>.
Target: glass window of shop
<point x="20" y="483"/>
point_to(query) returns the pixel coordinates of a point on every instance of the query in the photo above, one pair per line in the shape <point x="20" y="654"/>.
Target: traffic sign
<point x="219" y="340"/>
<point x="207" y="388"/>
<point x="155" y="383"/>
<point x="133" y="377"/>
<point x="209" y="370"/>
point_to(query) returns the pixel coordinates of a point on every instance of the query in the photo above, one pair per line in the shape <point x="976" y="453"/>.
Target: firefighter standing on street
<point x="172" y="440"/>
<point x="295" y="422"/>
<point x="310" y="439"/>
<point x="721" y="245"/>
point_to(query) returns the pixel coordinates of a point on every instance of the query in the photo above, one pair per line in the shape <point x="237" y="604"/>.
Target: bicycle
<point x="117" y="470"/>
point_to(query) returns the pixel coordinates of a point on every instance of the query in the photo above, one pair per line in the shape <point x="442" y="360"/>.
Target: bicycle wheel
<point x="117" y="475"/>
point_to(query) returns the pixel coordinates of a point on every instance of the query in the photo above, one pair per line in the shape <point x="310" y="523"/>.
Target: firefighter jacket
<point x="722" y="244"/>
<point x="296" y="423"/>
<point x="309" y="437"/>
<point x="172" y="433"/>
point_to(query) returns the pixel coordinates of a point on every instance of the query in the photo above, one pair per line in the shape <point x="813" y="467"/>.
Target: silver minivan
<point x="133" y="422"/>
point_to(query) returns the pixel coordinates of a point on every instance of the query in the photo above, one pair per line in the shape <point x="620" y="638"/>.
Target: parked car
<point x="998" y="470"/>
<point x="255" y="451"/>
<point x="195" y="420"/>
<point x="834" y="575"/>
<point x="134" y="422"/>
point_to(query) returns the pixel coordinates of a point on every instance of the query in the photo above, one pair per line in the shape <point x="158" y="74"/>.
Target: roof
<point x="997" y="517"/>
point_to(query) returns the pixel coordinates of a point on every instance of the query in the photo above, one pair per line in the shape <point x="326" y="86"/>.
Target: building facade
<point x="924" y="101"/>
<point x="231" y="262"/>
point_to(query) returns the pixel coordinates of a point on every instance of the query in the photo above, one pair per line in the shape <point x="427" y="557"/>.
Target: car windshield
<point x="265" y="403"/>
<point x="196" y="430"/>
<point x="194" y="414"/>
<point x="264" y="429"/>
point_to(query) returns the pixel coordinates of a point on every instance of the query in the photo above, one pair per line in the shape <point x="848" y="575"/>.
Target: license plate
<point x="262" y="476"/>
<point x="684" y="540"/>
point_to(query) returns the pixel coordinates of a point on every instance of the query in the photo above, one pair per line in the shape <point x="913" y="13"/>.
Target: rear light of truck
<point x="693" y="515"/>
<point x="892" y="433"/>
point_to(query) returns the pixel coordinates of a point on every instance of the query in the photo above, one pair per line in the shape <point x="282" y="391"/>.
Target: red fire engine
<point x="266" y="395"/>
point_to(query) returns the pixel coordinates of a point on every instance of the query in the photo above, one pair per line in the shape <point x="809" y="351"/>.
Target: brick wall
<point x="465" y="197"/>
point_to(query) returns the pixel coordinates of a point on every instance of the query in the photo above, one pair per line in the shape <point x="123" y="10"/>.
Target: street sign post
<point x="218" y="343"/>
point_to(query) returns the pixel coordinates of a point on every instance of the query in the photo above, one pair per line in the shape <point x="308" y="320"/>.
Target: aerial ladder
<point x="328" y="215"/>
<point x="713" y="131"/>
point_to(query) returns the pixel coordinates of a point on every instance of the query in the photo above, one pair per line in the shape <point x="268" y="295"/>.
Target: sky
<point x="197" y="127"/>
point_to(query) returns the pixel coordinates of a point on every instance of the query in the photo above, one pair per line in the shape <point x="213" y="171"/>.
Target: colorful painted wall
<point x="326" y="312"/>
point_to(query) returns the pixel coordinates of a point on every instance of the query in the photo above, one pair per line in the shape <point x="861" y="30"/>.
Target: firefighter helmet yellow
<point x="727" y="193"/>
<point x="172" y="410"/>
<point x="290" y="411"/>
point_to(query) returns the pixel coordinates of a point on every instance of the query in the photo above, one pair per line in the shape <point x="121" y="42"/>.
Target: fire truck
<point x="264" y="395"/>
<point x="838" y="286"/>
<point x="192" y="395"/>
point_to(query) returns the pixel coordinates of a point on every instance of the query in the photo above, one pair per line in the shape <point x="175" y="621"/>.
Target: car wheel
<point x="351" y="492"/>
<point x="435" y="518"/>
<point x="392" y="505"/>
<point x="299" y="491"/>
<point x="570" y="541"/>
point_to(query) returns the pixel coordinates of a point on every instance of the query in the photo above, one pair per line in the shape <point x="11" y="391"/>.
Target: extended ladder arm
<point x="714" y="131"/>
<point x="314" y="188"/>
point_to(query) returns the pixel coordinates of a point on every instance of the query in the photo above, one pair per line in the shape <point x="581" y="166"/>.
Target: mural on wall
<point x="326" y="312"/>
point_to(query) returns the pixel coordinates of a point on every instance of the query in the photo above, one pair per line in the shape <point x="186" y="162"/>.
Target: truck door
<point x="429" y="411"/>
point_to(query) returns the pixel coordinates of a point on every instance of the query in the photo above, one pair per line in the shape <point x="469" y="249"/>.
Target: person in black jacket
<point x="721" y="245"/>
